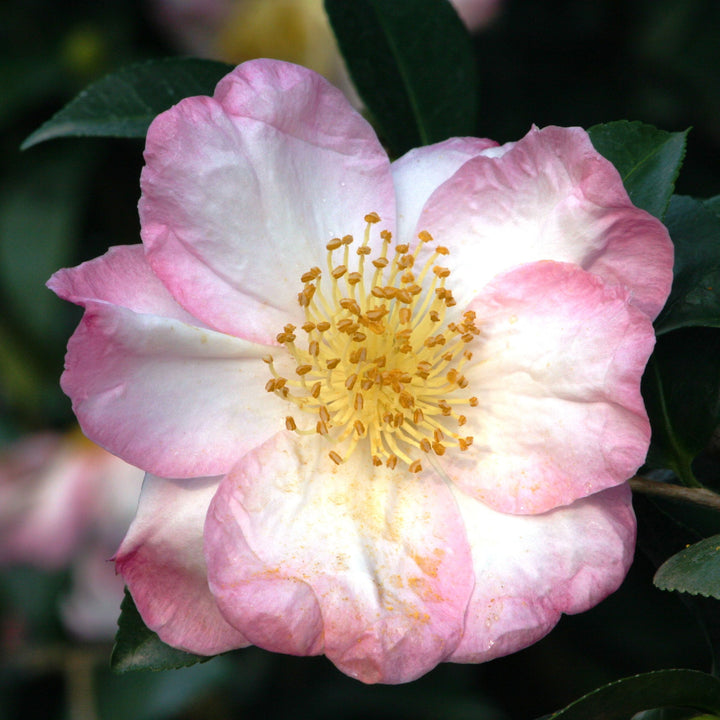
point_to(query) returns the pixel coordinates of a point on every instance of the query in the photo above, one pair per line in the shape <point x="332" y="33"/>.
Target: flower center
<point x="378" y="365"/>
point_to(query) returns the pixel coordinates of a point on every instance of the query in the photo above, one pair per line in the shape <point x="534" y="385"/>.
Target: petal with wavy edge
<point x="530" y="569"/>
<point x="161" y="560"/>
<point x="419" y="172"/>
<point x="121" y="277"/>
<point x="550" y="196"/>
<point x="369" y="566"/>
<point x="241" y="192"/>
<point x="173" y="399"/>
<point x="556" y="370"/>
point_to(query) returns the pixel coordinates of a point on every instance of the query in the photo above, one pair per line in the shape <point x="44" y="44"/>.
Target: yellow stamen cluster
<point x="378" y="363"/>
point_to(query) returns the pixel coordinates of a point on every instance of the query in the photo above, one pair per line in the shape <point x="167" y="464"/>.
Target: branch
<point x="696" y="496"/>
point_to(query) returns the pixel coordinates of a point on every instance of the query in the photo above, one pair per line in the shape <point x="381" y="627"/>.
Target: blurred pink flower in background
<point x="433" y="469"/>
<point x="66" y="503"/>
<point x="294" y="30"/>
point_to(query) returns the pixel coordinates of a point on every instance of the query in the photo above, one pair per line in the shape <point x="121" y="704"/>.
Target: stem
<point x="695" y="496"/>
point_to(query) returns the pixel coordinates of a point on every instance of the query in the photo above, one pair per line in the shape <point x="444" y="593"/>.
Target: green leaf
<point x="40" y="213"/>
<point x="695" y="298"/>
<point x="681" y="388"/>
<point x="413" y="65"/>
<point x="647" y="159"/>
<point x="695" y="570"/>
<point x="621" y="699"/>
<point x="138" y="648"/>
<point x="124" y="103"/>
<point x="713" y="204"/>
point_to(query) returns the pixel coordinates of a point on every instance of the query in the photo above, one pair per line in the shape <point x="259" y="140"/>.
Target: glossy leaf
<point x="713" y="204"/>
<point x="647" y="159"/>
<point x="681" y="387"/>
<point x="412" y="63"/>
<point x="695" y="298"/>
<point x="124" y="103"/>
<point x="695" y="570"/>
<point x="621" y="699"/>
<point x="138" y="648"/>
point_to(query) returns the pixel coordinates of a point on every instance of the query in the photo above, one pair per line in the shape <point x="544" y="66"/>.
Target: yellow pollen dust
<point x="376" y="365"/>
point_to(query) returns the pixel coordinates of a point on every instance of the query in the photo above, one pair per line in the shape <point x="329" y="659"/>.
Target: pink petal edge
<point x="161" y="561"/>
<point x="307" y="557"/>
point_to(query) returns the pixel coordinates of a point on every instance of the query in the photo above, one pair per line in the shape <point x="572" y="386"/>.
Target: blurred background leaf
<point x="412" y="63"/>
<point x="681" y="388"/>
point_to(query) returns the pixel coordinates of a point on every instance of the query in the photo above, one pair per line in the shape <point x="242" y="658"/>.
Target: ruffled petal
<point x="121" y="277"/>
<point x="162" y="563"/>
<point x="531" y="569"/>
<point x="550" y="196"/>
<point x="170" y="398"/>
<point x="418" y="173"/>
<point x="241" y="192"/>
<point x="556" y="370"/>
<point x="368" y="566"/>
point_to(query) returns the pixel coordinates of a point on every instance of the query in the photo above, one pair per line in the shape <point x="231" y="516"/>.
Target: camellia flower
<point x="66" y="503"/>
<point x="293" y="30"/>
<point x="387" y="410"/>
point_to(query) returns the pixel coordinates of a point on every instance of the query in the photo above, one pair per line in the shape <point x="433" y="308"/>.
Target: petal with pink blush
<point x="531" y="569"/>
<point x="368" y="566"/>
<point x="161" y="560"/>
<point x="121" y="277"/>
<point x="173" y="399"/>
<point x="551" y="196"/>
<point x="241" y="192"/>
<point x="556" y="370"/>
<point x="419" y="172"/>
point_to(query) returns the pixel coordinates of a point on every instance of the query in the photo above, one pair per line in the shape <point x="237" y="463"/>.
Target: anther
<point x="310" y="275"/>
<point x="439" y="448"/>
<point x="290" y="423"/>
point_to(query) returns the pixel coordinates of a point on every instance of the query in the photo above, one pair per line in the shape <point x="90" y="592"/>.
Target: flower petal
<point x="168" y="397"/>
<point x="369" y="566"/>
<point x="241" y="192"/>
<point x="550" y="196"/>
<point x="121" y="277"/>
<point x="419" y="172"/>
<point x="557" y="372"/>
<point x="530" y="569"/>
<point x="162" y="563"/>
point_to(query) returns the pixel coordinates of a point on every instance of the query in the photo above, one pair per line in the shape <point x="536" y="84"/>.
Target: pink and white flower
<point x="387" y="410"/>
<point x="66" y="503"/>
